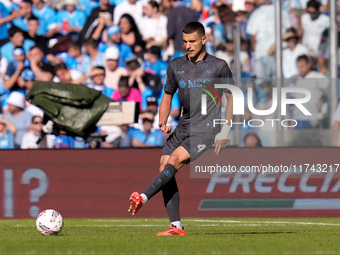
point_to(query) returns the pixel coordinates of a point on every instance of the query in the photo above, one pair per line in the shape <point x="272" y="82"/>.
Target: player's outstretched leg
<point x="161" y="179"/>
<point x="136" y="202"/>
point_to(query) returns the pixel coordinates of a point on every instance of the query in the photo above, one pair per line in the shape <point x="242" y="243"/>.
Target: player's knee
<point x="161" y="168"/>
<point x="174" y="160"/>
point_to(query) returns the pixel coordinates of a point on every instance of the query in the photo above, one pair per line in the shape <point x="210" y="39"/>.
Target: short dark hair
<point x="123" y="82"/>
<point x="305" y="58"/>
<point x="36" y="46"/>
<point x="35" y="116"/>
<point x="315" y="4"/>
<point x="13" y="30"/>
<point x="253" y="134"/>
<point x="99" y="67"/>
<point x="193" y="27"/>
<point x="154" y="4"/>
<point x="132" y="64"/>
<point x="75" y="45"/>
<point x="91" y="42"/>
<point x="32" y="17"/>
<point x="27" y="2"/>
<point x="60" y="66"/>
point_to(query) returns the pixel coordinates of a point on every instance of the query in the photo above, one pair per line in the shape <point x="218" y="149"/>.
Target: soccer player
<point x="194" y="134"/>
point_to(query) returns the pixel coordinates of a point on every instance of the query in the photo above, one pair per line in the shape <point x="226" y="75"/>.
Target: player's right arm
<point x="164" y="112"/>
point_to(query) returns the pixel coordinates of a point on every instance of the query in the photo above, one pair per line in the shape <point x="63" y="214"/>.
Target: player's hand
<point x="219" y="145"/>
<point x="164" y="128"/>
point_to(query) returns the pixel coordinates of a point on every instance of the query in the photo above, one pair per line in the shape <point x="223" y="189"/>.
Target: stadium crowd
<point x="122" y="48"/>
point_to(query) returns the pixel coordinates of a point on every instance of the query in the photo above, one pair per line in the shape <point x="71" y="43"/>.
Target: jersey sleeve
<point x="171" y="84"/>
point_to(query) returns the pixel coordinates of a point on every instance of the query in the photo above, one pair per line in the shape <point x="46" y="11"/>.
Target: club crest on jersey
<point x="182" y="84"/>
<point x="207" y="71"/>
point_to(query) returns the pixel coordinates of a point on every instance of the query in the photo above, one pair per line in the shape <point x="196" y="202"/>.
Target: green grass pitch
<point x="203" y="236"/>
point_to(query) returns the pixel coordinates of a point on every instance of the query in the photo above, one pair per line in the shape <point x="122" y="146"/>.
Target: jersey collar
<point x="203" y="59"/>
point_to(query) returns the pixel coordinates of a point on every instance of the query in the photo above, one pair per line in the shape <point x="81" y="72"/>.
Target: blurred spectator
<point x="147" y="136"/>
<point x="313" y="24"/>
<point x="26" y="80"/>
<point x="96" y="57"/>
<point x="104" y="10"/>
<point x="112" y="70"/>
<point x="226" y="52"/>
<point x="130" y="34"/>
<point x="291" y="53"/>
<point x="70" y="19"/>
<point x="42" y="71"/>
<point x="178" y="16"/>
<point x="15" y="68"/>
<point x="144" y="81"/>
<point x="114" y="38"/>
<point x="324" y="53"/>
<point x="47" y="19"/>
<point x="63" y="141"/>
<point x="117" y="136"/>
<point x="154" y="25"/>
<point x="214" y="27"/>
<point x="125" y="92"/>
<point x="87" y="6"/>
<point x="16" y="39"/>
<point x="317" y="84"/>
<point x="251" y="139"/>
<point x="63" y="74"/>
<point x="97" y="81"/>
<point x="18" y="116"/>
<point x="154" y="64"/>
<point x="103" y="22"/>
<point x="7" y="131"/>
<point x="249" y="6"/>
<point x="261" y="27"/>
<point x="5" y="17"/>
<point x="31" y="34"/>
<point x="25" y="12"/>
<point x="302" y="4"/>
<point x="133" y="8"/>
<point x="75" y="59"/>
<point x="30" y="138"/>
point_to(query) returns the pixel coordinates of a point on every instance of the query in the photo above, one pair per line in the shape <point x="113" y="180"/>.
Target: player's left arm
<point x="222" y="137"/>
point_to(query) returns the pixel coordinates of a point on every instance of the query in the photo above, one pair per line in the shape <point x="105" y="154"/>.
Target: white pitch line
<point x="310" y="252"/>
<point x="266" y="222"/>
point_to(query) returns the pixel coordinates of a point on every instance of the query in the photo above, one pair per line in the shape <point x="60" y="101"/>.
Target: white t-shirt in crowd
<point x="262" y="25"/>
<point x="313" y="29"/>
<point x="316" y="83"/>
<point x="135" y="10"/>
<point x="155" y="28"/>
<point x="289" y="60"/>
<point x="3" y="65"/>
<point x="29" y="141"/>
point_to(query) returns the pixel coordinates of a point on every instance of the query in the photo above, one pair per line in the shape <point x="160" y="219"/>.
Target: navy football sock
<point x="160" y="180"/>
<point x="171" y="200"/>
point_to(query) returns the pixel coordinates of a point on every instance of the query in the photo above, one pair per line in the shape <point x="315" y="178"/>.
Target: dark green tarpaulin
<point x="73" y="108"/>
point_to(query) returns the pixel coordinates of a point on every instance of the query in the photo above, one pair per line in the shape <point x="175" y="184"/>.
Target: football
<point x="49" y="222"/>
